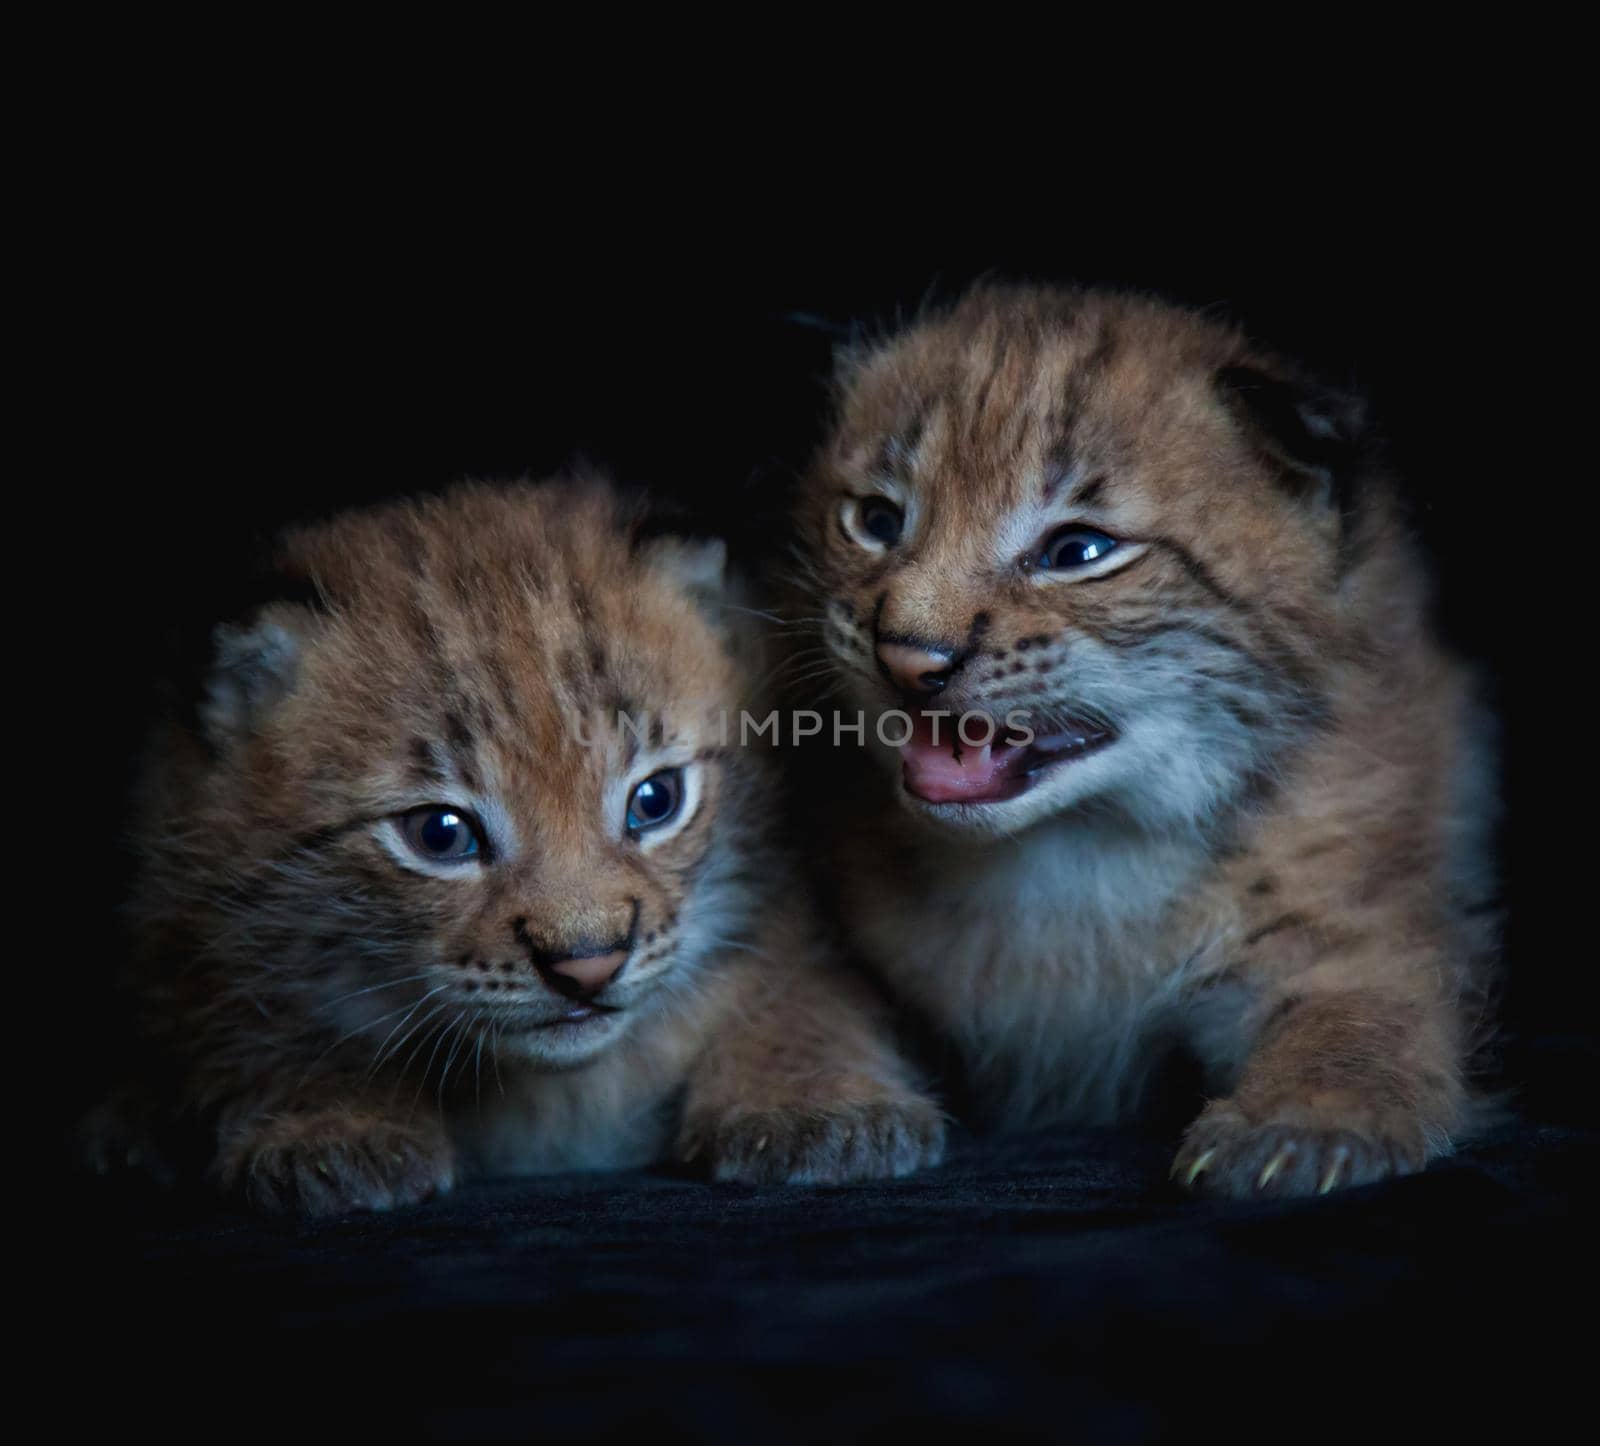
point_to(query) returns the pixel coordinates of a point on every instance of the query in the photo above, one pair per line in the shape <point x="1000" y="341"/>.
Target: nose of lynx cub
<point x="584" y="975"/>
<point x="913" y="669"/>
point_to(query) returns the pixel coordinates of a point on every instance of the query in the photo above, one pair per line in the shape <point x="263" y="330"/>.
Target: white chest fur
<point x="616" y="1113"/>
<point x="1054" y="963"/>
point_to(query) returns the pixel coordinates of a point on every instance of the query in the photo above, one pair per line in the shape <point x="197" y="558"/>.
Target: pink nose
<point x="588" y="974"/>
<point x="915" y="670"/>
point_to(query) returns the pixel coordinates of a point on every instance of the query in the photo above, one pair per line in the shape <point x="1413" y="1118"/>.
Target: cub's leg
<point x="1343" y="1087"/>
<point x="338" y="1148"/>
<point x="799" y="1081"/>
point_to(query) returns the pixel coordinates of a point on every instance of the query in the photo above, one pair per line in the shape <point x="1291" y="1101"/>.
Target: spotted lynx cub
<point x="1219" y="787"/>
<point x="409" y="909"/>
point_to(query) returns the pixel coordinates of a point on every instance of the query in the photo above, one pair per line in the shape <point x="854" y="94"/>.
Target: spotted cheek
<point x="489" y="956"/>
<point x="657" y="943"/>
<point x="1036" y="673"/>
<point x="847" y="640"/>
<point x="490" y="968"/>
<point x="1026" y="657"/>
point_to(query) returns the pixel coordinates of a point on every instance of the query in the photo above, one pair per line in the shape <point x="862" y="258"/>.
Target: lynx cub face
<point x="458" y="871"/>
<point x="1052" y="515"/>
<point x="420" y="806"/>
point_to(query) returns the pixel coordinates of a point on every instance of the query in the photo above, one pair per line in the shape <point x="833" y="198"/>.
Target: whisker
<point x="377" y="1058"/>
<point x="362" y="1029"/>
<point x="494" y="1054"/>
<point x="450" y="1059"/>
<point x="440" y="1035"/>
<point x="431" y="1014"/>
<point x="751" y="612"/>
<point x="370" y="989"/>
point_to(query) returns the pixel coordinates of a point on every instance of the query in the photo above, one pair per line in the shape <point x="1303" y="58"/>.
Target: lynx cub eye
<point x="655" y="801"/>
<point x="1069" y="547"/>
<point x="440" y="833"/>
<point x="874" y="522"/>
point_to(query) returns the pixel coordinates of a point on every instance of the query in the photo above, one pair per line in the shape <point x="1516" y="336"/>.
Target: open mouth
<point x="938" y="767"/>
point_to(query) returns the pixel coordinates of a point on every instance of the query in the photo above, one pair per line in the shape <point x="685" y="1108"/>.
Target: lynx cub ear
<point x="698" y="564"/>
<point x="253" y="665"/>
<point x="1313" y="434"/>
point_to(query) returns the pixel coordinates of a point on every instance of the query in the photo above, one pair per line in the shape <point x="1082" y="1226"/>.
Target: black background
<point x="245" y="338"/>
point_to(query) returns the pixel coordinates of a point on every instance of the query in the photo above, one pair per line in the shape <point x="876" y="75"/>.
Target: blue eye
<point x="1074" y="547"/>
<point x="441" y="833"/>
<point x="655" y="800"/>
<point x="881" y="520"/>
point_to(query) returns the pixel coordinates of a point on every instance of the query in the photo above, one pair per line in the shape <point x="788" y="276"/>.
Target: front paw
<point x="873" y="1141"/>
<point x="330" y="1162"/>
<point x="1291" y="1152"/>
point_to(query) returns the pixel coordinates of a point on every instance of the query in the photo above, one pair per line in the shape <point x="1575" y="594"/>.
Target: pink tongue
<point x="934" y="773"/>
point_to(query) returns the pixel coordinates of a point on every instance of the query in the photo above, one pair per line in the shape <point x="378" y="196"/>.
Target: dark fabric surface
<point x="1049" y="1285"/>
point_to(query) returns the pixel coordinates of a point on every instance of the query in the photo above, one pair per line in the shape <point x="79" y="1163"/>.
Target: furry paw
<point x="330" y="1162"/>
<point x="873" y="1141"/>
<point x="1226" y="1155"/>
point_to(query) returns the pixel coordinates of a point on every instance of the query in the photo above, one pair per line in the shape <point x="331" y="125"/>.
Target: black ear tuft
<point x="1314" y="435"/>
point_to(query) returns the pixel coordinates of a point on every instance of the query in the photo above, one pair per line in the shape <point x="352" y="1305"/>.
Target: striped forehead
<point x="998" y="421"/>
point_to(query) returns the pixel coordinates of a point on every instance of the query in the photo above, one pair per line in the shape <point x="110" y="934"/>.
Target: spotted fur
<point x="1280" y="861"/>
<point x="358" y="1027"/>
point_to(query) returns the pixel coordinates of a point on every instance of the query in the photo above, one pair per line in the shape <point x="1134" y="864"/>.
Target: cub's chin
<point x="574" y="1037"/>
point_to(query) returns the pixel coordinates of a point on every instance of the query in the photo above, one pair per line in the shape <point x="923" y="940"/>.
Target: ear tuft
<point x="252" y="667"/>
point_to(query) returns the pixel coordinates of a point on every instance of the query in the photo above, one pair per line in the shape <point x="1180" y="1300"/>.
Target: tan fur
<point x="357" y="1026"/>
<point x="1279" y="861"/>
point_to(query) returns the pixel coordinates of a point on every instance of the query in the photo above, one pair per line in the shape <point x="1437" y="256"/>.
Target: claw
<point x="1199" y="1166"/>
<point x="1331" y="1176"/>
<point x="1272" y="1167"/>
<point x="761" y="1144"/>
